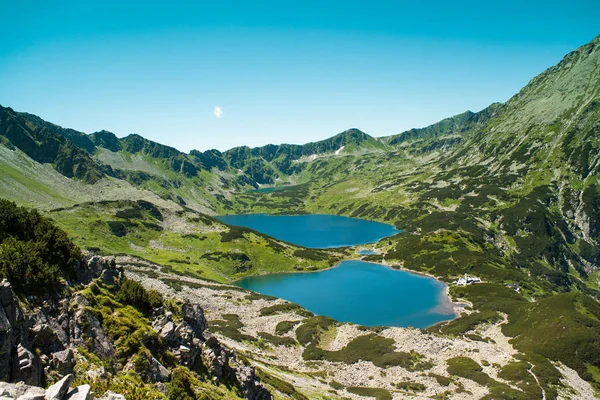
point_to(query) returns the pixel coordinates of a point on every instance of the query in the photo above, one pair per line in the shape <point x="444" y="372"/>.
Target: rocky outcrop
<point x="55" y="329"/>
<point x="59" y="391"/>
<point x="27" y="367"/>
<point x="17" y="362"/>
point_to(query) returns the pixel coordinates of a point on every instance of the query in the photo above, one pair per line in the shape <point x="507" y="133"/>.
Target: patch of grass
<point x="285" y="308"/>
<point x="468" y="368"/>
<point x="379" y="350"/>
<point x="284" y="327"/>
<point x="279" y="385"/>
<point x="312" y="328"/>
<point x="411" y="386"/>
<point x="469" y="322"/>
<point x="441" y="380"/>
<point x="230" y="326"/>
<point x="379" y="394"/>
<point x="277" y="340"/>
<point x="257" y="296"/>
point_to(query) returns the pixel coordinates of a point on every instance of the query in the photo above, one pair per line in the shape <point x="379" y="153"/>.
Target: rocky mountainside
<point x="102" y="331"/>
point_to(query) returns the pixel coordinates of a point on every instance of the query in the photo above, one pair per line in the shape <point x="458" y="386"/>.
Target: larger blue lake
<point x="361" y="292"/>
<point x="314" y="230"/>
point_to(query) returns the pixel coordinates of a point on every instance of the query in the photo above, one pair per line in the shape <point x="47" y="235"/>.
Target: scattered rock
<point x="82" y="392"/>
<point x="58" y="390"/>
<point x="167" y="333"/>
<point x="32" y="396"/>
<point x="110" y="276"/>
<point x="114" y="396"/>
<point x="63" y="361"/>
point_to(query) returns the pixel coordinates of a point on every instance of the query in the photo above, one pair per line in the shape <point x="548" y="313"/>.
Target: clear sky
<point x="225" y="73"/>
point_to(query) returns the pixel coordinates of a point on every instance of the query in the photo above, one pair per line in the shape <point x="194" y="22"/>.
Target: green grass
<point x="285" y="308"/>
<point x="379" y="350"/>
<point x="312" y="328"/>
<point x="230" y="326"/>
<point x="284" y="327"/>
<point x="277" y="340"/>
<point x="138" y="232"/>
<point x="379" y="394"/>
<point x="279" y="385"/>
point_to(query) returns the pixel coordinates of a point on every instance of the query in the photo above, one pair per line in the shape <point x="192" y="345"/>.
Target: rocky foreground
<point x="68" y="345"/>
<point x="65" y="340"/>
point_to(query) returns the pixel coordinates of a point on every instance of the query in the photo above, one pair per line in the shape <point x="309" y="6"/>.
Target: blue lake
<point x="367" y="252"/>
<point x="360" y="292"/>
<point x="314" y="230"/>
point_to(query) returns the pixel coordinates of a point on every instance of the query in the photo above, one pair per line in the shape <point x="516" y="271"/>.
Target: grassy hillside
<point x="184" y="241"/>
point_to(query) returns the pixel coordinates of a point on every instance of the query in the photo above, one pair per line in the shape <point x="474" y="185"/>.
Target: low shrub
<point x="34" y="253"/>
<point x="379" y="394"/>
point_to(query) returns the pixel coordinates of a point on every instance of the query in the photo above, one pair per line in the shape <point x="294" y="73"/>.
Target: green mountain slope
<point x="511" y="194"/>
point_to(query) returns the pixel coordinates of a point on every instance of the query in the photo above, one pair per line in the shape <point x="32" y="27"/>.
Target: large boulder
<point x="59" y="389"/>
<point x="63" y="361"/>
<point x="92" y="267"/>
<point x="87" y="325"/>
<point x="193" y="315"/>
<point x="83" y="392"/>
<point x="7" y="343"/>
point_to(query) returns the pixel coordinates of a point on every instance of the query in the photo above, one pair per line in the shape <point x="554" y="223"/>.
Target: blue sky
<point x="281" y="71"/>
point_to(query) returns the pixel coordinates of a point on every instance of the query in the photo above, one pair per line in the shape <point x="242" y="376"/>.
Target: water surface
<point x="361" y="292"/>
<point x="314" y="230"/>
<point x="367" y="252"/>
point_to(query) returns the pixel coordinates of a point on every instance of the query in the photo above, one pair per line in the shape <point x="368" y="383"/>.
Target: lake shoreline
<point x="445" y="305"/>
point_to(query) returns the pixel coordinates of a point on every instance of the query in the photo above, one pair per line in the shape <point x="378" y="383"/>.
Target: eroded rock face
<point x="63" y="361"/>
<point x="93" y="267"/>
<point x="27" y="367"/>
<point x="56" y="327"/>
<point x="193" y="315"/>
<point x="7" y="343"/>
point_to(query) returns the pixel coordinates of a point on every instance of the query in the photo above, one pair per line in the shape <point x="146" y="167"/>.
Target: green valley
<point x="510" y="194"/>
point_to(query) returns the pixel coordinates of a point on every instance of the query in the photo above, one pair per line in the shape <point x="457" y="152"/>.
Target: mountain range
<point x="510" y="193"/>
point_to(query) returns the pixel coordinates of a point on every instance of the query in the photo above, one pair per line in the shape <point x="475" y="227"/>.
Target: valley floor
<point x="255" y="326"/>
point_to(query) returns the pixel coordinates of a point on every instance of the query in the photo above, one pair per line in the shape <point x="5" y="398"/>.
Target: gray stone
<point x="109" y="276"/>
<point x="168" y="333"/>
<point x="27" y="367"/>
<point x="59" y="389"/>
<point x="43" y="335"/>
<point x="161" y="387"/>
<point x="112" y="396"/>
<point x="32" y="396"/>
<point x="83" y="392"/>
<point x="157" y="372"/>
<point x="193" y="315"/>
<point x="7" y="343"/>
<point x="96" y="374"/>
<point x="64" y="361"/>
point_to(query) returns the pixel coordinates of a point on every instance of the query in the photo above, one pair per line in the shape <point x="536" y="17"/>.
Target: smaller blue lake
<point x="367" y="253"/>
<point x="314" y="230"/>
<point x="361" y="292"/>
